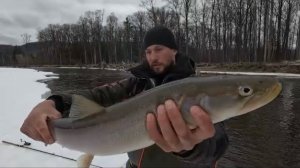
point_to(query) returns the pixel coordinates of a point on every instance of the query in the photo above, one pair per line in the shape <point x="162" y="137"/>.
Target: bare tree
<point x="196" y="22"/>
<point x="150" y="6"/>
<point x="112" y="24"/>
<point x="266" y="29"/>
<point x="26" y="38"/>
<point x="298" y="39"/>
<point x="186" y="12"/>
<point x="140" y="24"/>
<point x="287" y="29"/>
<point x="84" y="37"/>
<point x="97" y="29"/>
<point x="176" y="7"/>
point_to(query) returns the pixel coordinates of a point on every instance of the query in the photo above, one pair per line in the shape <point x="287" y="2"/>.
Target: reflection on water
<point x="287" y="102"/>
<point x="269" y="137"/>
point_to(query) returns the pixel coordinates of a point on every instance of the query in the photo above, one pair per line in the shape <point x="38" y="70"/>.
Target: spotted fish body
<point x="121" y="128"/>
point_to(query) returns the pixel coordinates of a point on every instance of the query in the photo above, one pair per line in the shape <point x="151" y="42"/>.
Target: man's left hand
<point x="170" y="132"/>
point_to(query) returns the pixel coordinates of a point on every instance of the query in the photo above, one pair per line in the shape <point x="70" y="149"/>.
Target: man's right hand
<point x="35" y="125"/>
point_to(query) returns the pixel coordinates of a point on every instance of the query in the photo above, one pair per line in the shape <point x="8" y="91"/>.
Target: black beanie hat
<point x="160" y="35"/>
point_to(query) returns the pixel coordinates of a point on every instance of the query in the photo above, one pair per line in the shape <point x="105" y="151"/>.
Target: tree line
<point x="206" y="30"/>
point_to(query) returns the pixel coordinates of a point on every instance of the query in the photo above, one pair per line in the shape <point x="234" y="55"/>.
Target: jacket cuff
<point x="199" y="152"/>
<point x="184" y="153"/>
<point x="209" y="150"/>
<point x="59" y="105"/>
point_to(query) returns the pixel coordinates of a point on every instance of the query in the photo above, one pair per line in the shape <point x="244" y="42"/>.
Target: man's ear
<point x="174" y="51"/>
<point x="174" y="55"/>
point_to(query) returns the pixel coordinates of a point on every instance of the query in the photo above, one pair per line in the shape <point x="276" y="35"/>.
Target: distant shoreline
<point x="290" y="68"/>
<point x="284" y="67"/>
<point x="115" y="67"/>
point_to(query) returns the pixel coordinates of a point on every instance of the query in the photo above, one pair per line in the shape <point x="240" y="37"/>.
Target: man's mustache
<point x="156" y="64"/>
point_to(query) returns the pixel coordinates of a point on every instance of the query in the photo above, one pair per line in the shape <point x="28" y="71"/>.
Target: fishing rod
<point x="27" y="146"/>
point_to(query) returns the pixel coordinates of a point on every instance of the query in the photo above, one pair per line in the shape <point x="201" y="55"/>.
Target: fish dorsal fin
<point x="82" y="107"/>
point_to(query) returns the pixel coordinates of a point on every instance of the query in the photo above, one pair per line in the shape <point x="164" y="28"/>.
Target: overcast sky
<point x="28" y="16"/>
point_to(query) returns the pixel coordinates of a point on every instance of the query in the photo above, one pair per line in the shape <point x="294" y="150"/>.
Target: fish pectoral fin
<point x="85" y="160"/>
<point x="185" y="106"/>
<point x="185" y="103"/>
<point x="180" y="101"/>
<point x="82" y="107"/>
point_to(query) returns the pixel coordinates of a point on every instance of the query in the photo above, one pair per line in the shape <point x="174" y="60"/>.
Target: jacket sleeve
<point x="208" y="151"/>
<point x="105" y="95"/>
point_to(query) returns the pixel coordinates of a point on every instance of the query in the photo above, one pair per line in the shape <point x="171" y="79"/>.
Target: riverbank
<point x="284" y="67"/>
<point x="119" y="66"/>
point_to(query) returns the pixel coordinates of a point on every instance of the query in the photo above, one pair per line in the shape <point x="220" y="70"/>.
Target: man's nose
<point x="154" y="56"/>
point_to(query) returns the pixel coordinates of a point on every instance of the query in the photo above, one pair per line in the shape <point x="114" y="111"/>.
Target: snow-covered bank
<point x="111" y="67"/>
<point x="19" y="93"/>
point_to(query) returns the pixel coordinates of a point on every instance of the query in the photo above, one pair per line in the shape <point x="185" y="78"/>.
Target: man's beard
<point x="165" y="71"/>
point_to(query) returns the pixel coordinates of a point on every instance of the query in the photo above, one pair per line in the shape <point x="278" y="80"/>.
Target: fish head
<point x="264" y="90"/>
<point x="234" y="96"/>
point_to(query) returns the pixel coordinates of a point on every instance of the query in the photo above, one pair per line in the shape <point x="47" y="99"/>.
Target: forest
<point x="209" y="31"/>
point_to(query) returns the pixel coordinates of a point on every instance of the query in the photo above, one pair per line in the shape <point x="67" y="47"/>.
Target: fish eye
<point x="245" y="90"/>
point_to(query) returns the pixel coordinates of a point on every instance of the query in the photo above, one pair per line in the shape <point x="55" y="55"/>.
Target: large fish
<point x="120" y="128"/>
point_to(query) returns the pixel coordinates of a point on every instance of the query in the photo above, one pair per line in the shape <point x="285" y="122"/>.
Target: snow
<point x="19" y="93"/>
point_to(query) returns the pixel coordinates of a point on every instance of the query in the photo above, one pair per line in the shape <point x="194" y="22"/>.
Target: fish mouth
<point x="257" y="102"/>
<point x="274" y="91"/>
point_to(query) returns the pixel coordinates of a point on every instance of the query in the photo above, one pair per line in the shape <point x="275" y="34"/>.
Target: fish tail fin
<point x="85" y="160"/>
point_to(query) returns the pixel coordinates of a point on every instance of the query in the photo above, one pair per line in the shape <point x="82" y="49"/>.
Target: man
<point x="175" y="144"/>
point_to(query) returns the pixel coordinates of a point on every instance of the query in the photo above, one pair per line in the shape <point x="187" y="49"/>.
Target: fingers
<point x="31" y="133"/>
<point x="168" y="133"/>
<point x="154" y="133"/>
<point x="205" y="127"/>
<point x="50" y="132"/>
<point x="42" y="129"/>
<point x="179" y="125"/>
<point x="168" y="129"/>
<point x="37" y="130"/>
<point x="54" y="115"/>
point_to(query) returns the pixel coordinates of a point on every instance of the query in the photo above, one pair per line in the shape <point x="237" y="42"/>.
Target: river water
<point x="269" y="137"/>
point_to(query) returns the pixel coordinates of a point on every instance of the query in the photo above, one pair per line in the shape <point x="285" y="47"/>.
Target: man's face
<point x="160" y="57"/>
